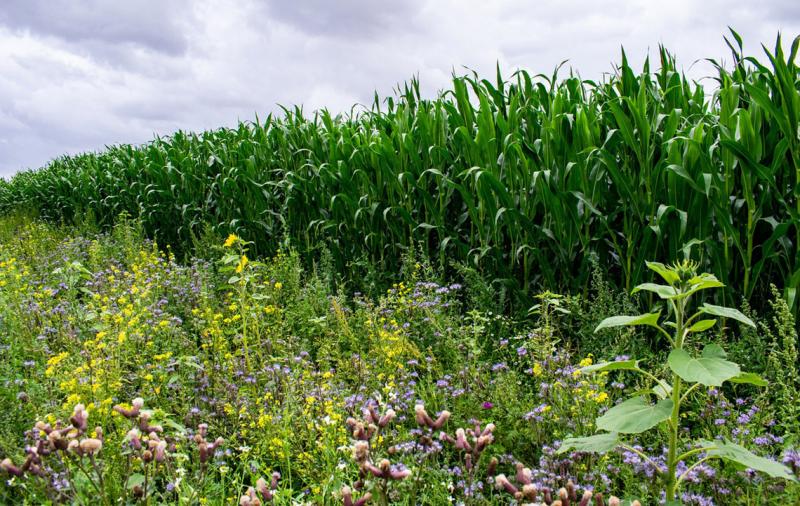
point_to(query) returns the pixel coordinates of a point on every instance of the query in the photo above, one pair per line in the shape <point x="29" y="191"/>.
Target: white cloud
<point x="80" y="75"/>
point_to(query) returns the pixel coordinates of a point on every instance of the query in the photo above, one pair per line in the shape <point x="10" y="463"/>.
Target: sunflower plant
<point x="660" y="405"/>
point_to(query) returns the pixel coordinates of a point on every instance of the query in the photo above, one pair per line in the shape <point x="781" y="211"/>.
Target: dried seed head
<point x="91" y="446"/>
<point x="613" y="501"/>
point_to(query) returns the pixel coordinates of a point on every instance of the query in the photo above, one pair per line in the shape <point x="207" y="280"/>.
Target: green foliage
<point x="782" y="365"/>
<point x="524" y="179"/>
<point x="637" y="414"/>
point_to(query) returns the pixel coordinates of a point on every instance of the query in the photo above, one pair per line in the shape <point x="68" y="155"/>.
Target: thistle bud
<point x="563" y="496"/>
<point x="79" y="418"/>
<point x="399" y="474"/>
<point x="523" y="475"/>
<point x="502" y="483"/>
<point x="461" y="440"/>
<point x="492" y="468"/>
<point x="91" y="446"/>
<point x="529" y="492"/>
<point x="613" y="501"/>
<point x="422" y="417"/>
<point x="587" y="496"/>
<point x="250" y="498"/>
<point x="441" y="420"/>
<point x="8" y="466"/>
<point x="386" y="418"/>
<point x="361" y="451"/>
<point x="134" y="437"/>
<point x="160" y="452"/>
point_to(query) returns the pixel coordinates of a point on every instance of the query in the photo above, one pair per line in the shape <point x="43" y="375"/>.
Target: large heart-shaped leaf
<point x="635" y="415"/>
<point x="650" y="319"/>
<point x="731" y="451"/>
<point x="599" y="443"/>
<point x="710" y="369"/>
<point x="727" y="312"/>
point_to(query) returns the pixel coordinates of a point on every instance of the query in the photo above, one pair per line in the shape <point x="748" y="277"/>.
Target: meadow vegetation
<point x="539" y="290"/>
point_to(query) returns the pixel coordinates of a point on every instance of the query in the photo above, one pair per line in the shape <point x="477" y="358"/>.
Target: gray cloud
<point x="151" y="24"/>
<point x="81" y="75"/>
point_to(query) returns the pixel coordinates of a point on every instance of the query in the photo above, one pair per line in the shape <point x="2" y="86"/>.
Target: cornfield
<point x="525" y="178"/>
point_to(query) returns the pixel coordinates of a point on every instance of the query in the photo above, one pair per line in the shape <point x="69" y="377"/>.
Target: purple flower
<point x="488" y="405"/>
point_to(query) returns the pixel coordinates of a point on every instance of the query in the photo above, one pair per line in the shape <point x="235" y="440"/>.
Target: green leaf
<point x="134" y="480"/>
<point x="731" y="451"/>
<point x="665" y="272"/>
<point x="727" y="312"/>
<point x="663" y="291"/>
<point x="626" y="365"/>
<point x="711" y="369"/>
<point x="635" y="415"/>
<point x="702" y="325"/>
<point x="599" y="443"/>
<point x="749" y="378"/>
<point x="650" y="319"/>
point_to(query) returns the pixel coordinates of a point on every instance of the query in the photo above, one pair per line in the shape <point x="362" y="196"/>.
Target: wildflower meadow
<point x="532" y="292"/>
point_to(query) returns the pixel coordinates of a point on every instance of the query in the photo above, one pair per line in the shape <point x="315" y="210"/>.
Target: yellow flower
<point x="230" y="240"/>
<point x="278" y="285"/>
<point x="242" y="264"/>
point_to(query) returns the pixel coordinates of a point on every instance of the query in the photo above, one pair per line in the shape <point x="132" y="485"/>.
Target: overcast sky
<point x="79" y="75"/>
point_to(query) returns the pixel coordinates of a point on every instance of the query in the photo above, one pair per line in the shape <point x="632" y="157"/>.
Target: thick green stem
<point x="675" y="419"/>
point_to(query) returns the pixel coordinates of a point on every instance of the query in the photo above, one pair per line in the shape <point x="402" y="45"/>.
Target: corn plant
<point x="523" y="177"/>
<point x="688" y="372"/>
